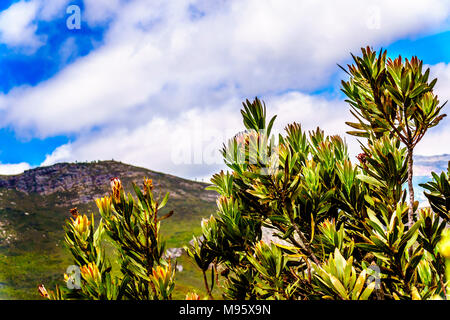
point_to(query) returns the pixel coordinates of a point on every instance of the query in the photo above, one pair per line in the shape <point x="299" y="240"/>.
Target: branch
<point x="304" y="244"/>
<point x="205" y="281"/>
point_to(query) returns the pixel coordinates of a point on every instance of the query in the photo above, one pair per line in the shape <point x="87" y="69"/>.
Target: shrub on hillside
<point x="347" y="229"/>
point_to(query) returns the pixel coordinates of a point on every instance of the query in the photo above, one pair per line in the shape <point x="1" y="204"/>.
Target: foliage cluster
<point x="342" y="230"/>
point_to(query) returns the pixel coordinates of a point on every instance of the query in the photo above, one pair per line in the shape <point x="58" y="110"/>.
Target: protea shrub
<point x="132" y="225"/>
<point x="341" y="229"/>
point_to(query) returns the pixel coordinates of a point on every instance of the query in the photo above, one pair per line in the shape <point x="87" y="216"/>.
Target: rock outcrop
<point x="82" y="182"/>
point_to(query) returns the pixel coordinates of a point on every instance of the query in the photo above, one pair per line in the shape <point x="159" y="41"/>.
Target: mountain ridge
<point x="90" y="180"/>
<point x="35" y="204"/>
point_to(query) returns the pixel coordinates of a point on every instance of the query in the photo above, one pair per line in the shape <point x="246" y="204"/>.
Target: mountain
<point x="79" y="183"/>
<point x="35" y="204"/>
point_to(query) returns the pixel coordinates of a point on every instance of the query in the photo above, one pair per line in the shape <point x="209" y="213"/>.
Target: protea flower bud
<point x="81" y="223"/>
<point x="240" y="138"/>
<point x="162" y="278"/>
<point x="117" y="188"/>
<point x="162" y="273"/>
<point x="42" y="291"/>
<point x="192" y="296"/>
<point x="362" y="157"/>
<point x="69" y="280"/>
<point x="104" y="204"/>
<point x="243" y="140"/>
<point x="244" y="137"/>
<point x="148" y="183"/>
<point x="224" y="202"/>
<point x="205" y="222"/>
<point x="90" y="272"/>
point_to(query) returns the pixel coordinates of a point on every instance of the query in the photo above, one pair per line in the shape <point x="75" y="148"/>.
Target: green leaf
<point x="164" y="201"/>
<point x="368" y="291"/>
<point x="370" y="180"/>
<point x="338" y="287"/>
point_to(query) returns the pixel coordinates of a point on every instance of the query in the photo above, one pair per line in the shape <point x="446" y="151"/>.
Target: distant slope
<point x="34" y="206"/>
<point x="78" y="183"/>
<point x="47" y="193"/>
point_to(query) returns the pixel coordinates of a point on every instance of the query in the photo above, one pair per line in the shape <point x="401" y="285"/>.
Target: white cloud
<point x="436" y="140"/>
<point x="160" y="69"/>
<point x="157" y="59"/>
<point x="188" y="144"/>
<point x="51" y="9"/>
<point x="12" y="169"/>
<point x="68" y="49"/>
<point x="99" y="11"/>
<point x="17" y="28"/>
<point x="441" y="71"/>
<point x="18" y="23"/>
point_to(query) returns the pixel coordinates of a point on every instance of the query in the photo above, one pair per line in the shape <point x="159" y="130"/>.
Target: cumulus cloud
<point x="12" y="169"/>
<point x="189" y="144"/>
<point x="49" y="10"/>
<point x="158" y="58"/>
<point x="98" y="12"/>
<point x="165" y="66"/>
<point x="18" y="23"/>
<point x="436" y="140"/>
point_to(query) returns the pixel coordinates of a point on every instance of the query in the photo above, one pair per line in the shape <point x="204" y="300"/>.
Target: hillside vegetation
<point x="34" y="206"/>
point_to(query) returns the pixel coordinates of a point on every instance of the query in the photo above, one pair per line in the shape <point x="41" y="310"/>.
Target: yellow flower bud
<point x="117" y="188"/>
<point x="162" y="273"/>
<point x="148" y="183"/>
<point x="81" y="223"/>
<point x="90" y="272"/>
<point x="192" y="296"/>
<point x="104" y="205"/>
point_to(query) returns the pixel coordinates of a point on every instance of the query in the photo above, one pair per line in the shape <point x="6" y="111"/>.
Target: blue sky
<point x="159" y="84"/>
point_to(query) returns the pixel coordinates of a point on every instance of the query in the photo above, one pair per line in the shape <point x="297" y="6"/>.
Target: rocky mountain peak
<point x="83" y="182"/>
